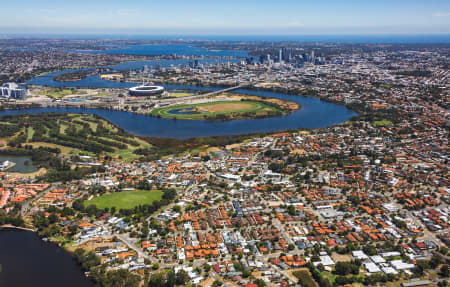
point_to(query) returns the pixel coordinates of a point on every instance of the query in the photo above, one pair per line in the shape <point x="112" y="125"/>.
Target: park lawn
<point x="382" y="123"/>
<point x="58" y="93"/>
<point x="125" y="199"/>
<point x="64" y="242"/>
<point x="30" y="133"/>
<point x="180" y="94"/>
<point x="102" y="94"/>
<point x="212" y="109"/>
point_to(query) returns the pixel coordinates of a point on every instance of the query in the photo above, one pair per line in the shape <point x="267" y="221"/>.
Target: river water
<point x="26" y="260"/>
<point x="314" y="113"/>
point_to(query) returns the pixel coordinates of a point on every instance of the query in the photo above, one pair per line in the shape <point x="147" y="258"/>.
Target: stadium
<point x="145" y="91"/>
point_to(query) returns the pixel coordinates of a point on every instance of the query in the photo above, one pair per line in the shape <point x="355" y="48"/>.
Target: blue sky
<point x="226" y="16"/>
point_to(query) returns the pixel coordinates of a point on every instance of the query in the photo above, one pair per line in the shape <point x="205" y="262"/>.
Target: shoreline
<point x="10" y="226"/>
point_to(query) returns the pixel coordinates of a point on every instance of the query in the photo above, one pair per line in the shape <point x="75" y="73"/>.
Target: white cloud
<point x="295" y="24"/>
<point x="441" y="14"/>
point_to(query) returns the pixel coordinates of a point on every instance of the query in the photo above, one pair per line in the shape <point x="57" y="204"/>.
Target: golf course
<point x="219" y="110"/>
<point x="125" y="199"/>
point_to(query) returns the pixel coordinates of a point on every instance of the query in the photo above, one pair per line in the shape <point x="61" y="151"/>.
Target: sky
<point x="228" y="17"/>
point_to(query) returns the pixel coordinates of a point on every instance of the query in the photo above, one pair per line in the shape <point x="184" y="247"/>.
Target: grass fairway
<point x="231" y="109"/>
<point x="382" y="123"/>
<point x="77" y="134"/>
<point x="125" y="199"/>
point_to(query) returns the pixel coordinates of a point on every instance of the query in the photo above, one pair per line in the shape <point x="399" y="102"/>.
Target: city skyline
<point x="201" y="17"/>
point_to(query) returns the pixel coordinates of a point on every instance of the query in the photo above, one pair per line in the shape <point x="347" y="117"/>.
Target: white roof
<point x="377" y="259"/>
<point x="372" y="267"/>
<point x="400" y="265"/>
<point x="390" y="254"/>
<point x="326" y="260"/>
<point x="389" y="270"/>
<point x="359" y="254"/>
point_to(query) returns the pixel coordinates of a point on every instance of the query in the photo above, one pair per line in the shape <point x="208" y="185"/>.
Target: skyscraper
<point x="280" y="56"/>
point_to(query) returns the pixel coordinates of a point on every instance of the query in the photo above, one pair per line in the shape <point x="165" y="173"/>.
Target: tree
<point x="444" y="271"/>
<point x="436" y="260"/>
<point x="292" y="211"/>
<point x="315" y="258"/>
<point x="73" y="229"/>
<point x="156" y="280"/>
<point x="91" y="210"/>
<point x="52" y="218"/>
<point x="422" y="266"/>
<point x="170" y="278"/>
<point x="181" y="277"/>
<point x="120" y="278"/>
<point x="345" y="268"/>
<point x="260" y="282"/>
<point x="370" y="250"/>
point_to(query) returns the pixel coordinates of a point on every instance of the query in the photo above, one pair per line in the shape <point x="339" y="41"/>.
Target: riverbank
<point x="10" y="226"/>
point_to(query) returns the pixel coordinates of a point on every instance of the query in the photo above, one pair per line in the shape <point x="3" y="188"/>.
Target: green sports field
<point x="125" y="199"/>
<point x="233" y="109"/>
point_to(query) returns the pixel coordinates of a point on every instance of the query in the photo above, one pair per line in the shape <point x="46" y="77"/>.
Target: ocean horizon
<point x="341" y="38"/>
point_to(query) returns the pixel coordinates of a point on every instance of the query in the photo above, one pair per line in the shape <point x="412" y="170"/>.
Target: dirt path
<point x="3" y="144"/>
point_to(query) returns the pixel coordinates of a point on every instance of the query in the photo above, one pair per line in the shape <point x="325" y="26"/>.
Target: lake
<point x="23" y="164"/>
<point x="26" y="260"/>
